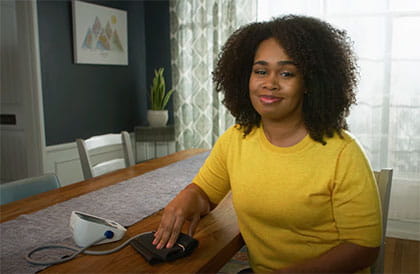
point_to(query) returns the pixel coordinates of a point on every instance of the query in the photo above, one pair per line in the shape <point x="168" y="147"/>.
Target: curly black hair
<point x="323" y="55"/>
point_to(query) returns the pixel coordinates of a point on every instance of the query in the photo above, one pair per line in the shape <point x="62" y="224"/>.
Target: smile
<point x="267" y="99"/>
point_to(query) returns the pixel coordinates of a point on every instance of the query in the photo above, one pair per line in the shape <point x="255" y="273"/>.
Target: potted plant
<point x="157" y="116"/>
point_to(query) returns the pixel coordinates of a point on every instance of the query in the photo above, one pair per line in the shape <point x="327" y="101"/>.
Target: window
<point x="386" y="119"/>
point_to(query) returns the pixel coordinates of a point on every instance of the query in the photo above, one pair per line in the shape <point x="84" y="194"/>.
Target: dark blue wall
<point x="158" y="43"/>
<point x="85" y="100"/>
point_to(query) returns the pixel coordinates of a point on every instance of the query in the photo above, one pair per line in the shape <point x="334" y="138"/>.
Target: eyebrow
<point x="280" y="63"/>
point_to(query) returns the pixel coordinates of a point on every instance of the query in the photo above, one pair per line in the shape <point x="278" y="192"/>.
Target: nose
<point x="271" y="82"/>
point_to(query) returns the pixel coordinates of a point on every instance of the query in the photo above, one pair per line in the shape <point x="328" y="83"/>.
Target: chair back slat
<point x="103" y="141"/>
<point x="92" y="167"/>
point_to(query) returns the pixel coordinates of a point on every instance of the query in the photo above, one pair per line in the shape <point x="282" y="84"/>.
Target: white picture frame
<point x="99" y="34"/>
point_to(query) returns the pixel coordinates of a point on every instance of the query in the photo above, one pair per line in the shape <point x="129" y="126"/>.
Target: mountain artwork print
<point x="100" y="34"/>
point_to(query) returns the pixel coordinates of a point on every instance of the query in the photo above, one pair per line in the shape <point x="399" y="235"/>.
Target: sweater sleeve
<point x="213" y="177"/>
<point x="356" y="201"/>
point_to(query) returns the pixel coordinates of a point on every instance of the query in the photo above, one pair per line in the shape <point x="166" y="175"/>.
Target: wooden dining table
<point x="218" y="233"/>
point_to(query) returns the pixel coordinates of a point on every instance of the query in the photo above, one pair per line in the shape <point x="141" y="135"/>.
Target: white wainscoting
<point x="403" y="229"/>
<point x="404" y="209"/>
<point x="63" y="159"/>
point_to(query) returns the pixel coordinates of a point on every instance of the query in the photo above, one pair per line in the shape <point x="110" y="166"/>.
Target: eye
<point x="287" y="74"/>
<point x="260" y="71"/>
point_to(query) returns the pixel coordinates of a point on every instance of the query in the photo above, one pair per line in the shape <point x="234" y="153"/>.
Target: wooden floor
<point x="402" y="256"/>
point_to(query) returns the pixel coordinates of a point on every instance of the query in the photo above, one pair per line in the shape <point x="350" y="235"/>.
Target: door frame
<point x="28" y="37"/>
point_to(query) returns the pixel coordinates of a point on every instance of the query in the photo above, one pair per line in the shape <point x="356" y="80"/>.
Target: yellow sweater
<point x="297" y="202"/>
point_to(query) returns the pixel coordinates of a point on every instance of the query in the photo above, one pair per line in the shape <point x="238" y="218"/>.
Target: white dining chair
<point x="384" y="181"/>
<point x="105" y="162"/>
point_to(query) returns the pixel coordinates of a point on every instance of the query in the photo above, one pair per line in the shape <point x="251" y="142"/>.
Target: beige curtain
<point x="198" y="30"/>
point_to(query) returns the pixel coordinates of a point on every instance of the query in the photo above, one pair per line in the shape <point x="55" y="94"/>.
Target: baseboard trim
<point x="401" y="229"/>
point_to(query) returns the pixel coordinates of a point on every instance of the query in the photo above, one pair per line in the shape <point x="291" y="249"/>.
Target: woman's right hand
<point x="189" y="205"/>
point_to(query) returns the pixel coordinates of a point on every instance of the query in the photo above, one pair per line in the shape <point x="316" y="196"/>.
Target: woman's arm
<point x="344" y="258"/>
<point x="189" y="205"/>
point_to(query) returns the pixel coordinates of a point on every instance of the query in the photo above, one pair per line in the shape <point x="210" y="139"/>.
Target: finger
<point x="164" y="239"/>
<point x="193" y="225"/>
<point x="179" y="222"/>
<point x="164" y="231"/>
<point x="157" y="236"/>
<point x="159" y="232"/>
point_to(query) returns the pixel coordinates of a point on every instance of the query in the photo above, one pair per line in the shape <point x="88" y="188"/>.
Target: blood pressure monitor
<point x="87" y="228"/>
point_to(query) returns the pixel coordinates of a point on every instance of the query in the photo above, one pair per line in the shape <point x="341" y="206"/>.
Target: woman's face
<point x="275" y="86"/>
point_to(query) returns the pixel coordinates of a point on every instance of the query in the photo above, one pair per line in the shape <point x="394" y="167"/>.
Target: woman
<point x="302" y="188"/>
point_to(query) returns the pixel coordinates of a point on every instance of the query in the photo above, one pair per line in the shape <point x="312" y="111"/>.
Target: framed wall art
<point x="99" y="34"/>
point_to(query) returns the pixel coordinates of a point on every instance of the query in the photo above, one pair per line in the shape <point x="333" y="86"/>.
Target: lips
<point x="269" y="99"/>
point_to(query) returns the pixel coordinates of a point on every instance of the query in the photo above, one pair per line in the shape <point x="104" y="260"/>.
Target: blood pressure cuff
<point x="184" y="246"/>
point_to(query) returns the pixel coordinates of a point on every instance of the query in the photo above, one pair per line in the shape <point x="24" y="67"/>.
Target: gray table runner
<point x="126" y="203"/>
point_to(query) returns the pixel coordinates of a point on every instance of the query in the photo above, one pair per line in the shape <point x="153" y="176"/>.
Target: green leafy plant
<point x="159" y="98"/>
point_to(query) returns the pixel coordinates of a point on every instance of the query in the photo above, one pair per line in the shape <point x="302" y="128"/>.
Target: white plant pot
<point x="157" y="118"/>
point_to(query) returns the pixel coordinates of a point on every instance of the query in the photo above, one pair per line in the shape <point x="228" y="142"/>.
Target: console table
<point x="153" y="142"/>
